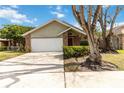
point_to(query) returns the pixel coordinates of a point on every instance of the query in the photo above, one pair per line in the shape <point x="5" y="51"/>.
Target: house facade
<point x="4" y="42"/>
<point x="118" y="38"/>
<point x="52" y="36"/>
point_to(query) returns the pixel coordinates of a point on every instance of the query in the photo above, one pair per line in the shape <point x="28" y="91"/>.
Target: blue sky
<point x="35" y="15"/>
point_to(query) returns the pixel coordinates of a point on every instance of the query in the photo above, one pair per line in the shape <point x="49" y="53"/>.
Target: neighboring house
<point x="8" y="44"/>
<point x="4" y="42"/>
<point x="52" y="36"/>
<point x="118" y="38"/>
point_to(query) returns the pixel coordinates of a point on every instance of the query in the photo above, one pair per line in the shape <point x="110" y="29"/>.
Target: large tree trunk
<point x="94" y="54"/>
<point x="94" y="50"/>
<point x="106" y="46"/>
<point x="94" y="61"/>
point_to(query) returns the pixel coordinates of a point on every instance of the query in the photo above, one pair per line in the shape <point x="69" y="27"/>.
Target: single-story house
<point x="118" y="38"/>
<point x="9" y="44"/>
<point x="55" y="34"/>
<point x="52" y="36"/>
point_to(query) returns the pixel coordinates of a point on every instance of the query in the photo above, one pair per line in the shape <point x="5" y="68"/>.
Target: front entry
<point x="70" y="41"/>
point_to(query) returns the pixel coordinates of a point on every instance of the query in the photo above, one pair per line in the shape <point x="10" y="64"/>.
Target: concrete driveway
<point x="32" y="70"/>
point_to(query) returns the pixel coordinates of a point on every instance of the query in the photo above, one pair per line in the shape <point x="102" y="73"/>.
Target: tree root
<point x="98" y="66"/>
<point x="111" y="51"/>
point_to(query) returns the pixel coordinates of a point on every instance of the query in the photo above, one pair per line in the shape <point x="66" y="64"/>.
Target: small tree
<point x="87" y="16"/>
<point x="13" y="33"/>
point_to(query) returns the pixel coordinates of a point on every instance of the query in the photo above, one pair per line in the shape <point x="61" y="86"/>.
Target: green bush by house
<point x="75" y="51"/>
<point x="84" y="43"/>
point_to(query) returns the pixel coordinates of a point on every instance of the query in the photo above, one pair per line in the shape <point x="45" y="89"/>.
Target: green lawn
<point x="9" y="54"/>
<point x="120" y="51"/>
<point x="117" y="59"/>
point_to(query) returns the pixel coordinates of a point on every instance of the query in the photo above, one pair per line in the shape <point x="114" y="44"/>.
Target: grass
<point x="9" y="54"/>
<point x="117" y="59"/>
<point x="120" y="51"/>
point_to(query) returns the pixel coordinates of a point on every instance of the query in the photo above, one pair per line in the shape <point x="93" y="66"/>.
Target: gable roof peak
<point x="59" y="21"/>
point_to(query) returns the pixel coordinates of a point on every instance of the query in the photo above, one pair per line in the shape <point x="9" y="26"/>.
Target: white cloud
<point x="14" y="6"/>
<point x="77" y="25"/>
<point x="57" y="11"/>
<point x="35" y="19"/>
<point x="58" y="8"/>
<point x="14" y="16"/>
<point x="58" y="14"/>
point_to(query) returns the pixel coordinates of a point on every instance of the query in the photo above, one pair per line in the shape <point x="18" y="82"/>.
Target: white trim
<point x="68" y="30"/>
<point x="49" y="23"/>
<point x="71" y="26"/>
<point x="64" y="31"/>
<point x="3" y="39"/>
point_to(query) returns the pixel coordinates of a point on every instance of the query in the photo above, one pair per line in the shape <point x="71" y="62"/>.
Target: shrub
<point x="3" y="48"/>
<point x="75" y="51"/>
<point x="84" y="43"/>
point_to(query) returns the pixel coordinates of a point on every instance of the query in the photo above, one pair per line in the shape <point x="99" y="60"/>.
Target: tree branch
<point x="118" y="9"/>
<point x="76" y="14"/>
<point x="96" y="15"/>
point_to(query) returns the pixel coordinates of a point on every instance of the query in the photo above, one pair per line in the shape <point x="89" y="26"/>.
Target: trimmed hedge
<point x="3" y="48"/>
<point x="84" y="43"/>
<point x="75" y="51"/>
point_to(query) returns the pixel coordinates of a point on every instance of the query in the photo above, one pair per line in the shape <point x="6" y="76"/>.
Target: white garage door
<point x="46" y="44"/>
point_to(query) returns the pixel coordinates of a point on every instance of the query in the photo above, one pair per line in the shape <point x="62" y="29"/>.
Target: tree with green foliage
<point x="14" y="33"/>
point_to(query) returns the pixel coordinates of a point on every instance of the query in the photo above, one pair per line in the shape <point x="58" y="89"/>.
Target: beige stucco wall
<point x="50" y="30"/>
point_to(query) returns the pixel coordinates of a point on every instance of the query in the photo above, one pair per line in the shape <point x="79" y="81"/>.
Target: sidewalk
<point x="112" y="79"/>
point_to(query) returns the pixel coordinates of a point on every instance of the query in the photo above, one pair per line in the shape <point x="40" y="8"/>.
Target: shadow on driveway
<point x="14" y="74"/>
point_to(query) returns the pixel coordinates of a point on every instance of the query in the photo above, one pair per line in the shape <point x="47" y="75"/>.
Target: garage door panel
<point x="47" y="44"/>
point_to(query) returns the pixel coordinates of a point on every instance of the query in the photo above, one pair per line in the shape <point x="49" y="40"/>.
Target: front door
<point x="70" y="41"/>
